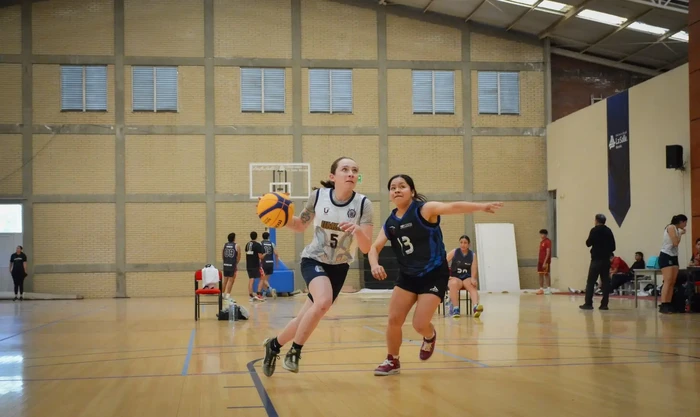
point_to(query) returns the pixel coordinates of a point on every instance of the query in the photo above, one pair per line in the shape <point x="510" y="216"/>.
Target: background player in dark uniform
<point x="463" y="269"/>
<point x="18" y="270"/>
<point x="253" y="255"/>
<point x="231" y="256"/>
<point x="269" y="261"/>
<point x="416" y="239"/>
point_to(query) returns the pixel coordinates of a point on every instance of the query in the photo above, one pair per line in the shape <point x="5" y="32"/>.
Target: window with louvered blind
<point x="262" y="90"/>
<point x="83" y="88"/>
<point x="154" y="89"/>
<point x="433" y="92"/>
<point x="499" y="92"/>
<point x="330" y="91"/>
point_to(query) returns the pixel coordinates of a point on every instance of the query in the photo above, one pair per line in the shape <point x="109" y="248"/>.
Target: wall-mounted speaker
<point x="674" y="156"/>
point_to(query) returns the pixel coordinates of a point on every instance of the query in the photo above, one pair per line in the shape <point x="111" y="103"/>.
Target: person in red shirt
<point x="620" y="272"/>
<point x="543" y="262"/>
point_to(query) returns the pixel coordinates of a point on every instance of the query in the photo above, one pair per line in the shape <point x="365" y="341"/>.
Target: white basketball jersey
<point x="331" y="245"/>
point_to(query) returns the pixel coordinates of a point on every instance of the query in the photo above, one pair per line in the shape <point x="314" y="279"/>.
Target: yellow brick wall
<point x="234" y="153"/>
<point x="164" y="28"/>
<point x="10" y="92"/>
<point x="165" y="164"/>
<point x="509" y="164"/>
<point x="47" y="99"/>
<point x="74" y="233"/>
<point x="162" y="284"/>
<point x="321" y="151"/>
<point x="227" y="96"/>
<point x="439" y="168"/>
<point x="73" y="164"/>
<point x="92" y="285"/>
<point x="11" y="30"/>
<point x="410" y="39"/>
<point x="85" y="27"/>
<point x="240" y="218"/>
<point x="452" y="228"/>
<point x="364" y="102"/>
<point x="190" y="97"/>
<point x="528" y="217"/>
<point x="400" y="97"/>
<point x="531" y="104"/>
<point x="165" y="232"/>
<point x="269" y="37"/>
<point x="323" y="37"/>
<point x="11" y="165"/>
<point x="486" y="48"/>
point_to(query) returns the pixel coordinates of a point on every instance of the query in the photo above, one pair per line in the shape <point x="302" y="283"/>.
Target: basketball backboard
<point x="293" y="178"/>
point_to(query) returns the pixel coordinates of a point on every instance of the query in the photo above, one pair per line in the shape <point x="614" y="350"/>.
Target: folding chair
<point x="205" y="291"/>
<point x="468" y="303"/>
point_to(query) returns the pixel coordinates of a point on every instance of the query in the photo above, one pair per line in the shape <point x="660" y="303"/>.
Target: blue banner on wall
<point x="618" y="143"/>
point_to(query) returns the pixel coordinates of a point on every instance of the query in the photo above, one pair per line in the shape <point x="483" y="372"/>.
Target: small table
<point x="653" y="273"/>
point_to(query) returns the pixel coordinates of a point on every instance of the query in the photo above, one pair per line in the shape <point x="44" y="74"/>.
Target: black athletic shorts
<point x="667" y="260"/>
<point x="253" y="273"/>
<point x="311" y="268"/>
<point x="268" y="269"/>
<point x="433" y="282"/>
<point x="229" y="271"/>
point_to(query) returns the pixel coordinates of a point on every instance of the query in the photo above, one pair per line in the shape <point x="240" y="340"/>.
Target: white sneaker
<point x="548" y="291"/>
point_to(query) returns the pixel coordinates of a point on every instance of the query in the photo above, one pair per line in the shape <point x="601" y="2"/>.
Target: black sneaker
<point x="291" y="360"/>
<point x="271" y="357"/>
<point x="585" y="307"/>
<point x="603" y="308"/>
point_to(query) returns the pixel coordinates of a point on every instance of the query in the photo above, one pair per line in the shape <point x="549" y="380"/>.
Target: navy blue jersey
<point x="461" y="266"/>
<point x="230" y="254"/>
<point x="269" y="249"/>
<point x="417" y="243"/>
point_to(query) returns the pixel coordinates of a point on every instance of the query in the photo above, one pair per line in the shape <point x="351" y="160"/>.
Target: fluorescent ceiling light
<point x="643" y="27"/>
<point x="601" y="17"/>
<point x="681" y="36"/>
<point x="553" y="5"/>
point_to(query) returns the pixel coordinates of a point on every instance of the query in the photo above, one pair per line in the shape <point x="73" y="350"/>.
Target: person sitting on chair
<point x="463" y="273"/>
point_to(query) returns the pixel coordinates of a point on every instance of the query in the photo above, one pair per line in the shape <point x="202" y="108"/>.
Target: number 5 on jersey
<point x="334" y="240"/>
<point x="407" y="245"/>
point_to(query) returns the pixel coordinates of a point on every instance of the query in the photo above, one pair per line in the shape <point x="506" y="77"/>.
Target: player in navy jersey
<point x="463" y="274"/>
<point x="413" y="228"/>
<point x="342" y="222"/>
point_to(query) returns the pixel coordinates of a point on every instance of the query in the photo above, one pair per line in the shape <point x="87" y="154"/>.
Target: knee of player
<point x="454" y="284"/>
<point x="420" y="325"/>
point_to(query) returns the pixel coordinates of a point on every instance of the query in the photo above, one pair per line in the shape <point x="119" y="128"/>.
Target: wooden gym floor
<point x="527" y="356"/>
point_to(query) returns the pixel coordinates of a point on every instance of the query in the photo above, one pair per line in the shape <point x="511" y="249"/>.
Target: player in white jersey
<point x="342" y="221"/>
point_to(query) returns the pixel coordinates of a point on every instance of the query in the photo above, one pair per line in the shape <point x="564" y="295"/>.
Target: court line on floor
<point x="264" y="397"/>
<point x="186" y="365"/>
<point x="53" y="322"/>
<point x="452" y="355"/>
<point x="245" y="406"/>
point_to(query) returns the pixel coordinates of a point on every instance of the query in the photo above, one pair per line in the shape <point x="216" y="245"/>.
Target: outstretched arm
<point x="299" y="224"/>
<point x="432" y="209"/>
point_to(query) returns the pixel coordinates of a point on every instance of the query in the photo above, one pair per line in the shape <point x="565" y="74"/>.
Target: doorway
<point x="10" y="238"/>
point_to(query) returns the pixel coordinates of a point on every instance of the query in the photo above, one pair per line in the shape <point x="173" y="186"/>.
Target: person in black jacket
<point x="602" y="244"/>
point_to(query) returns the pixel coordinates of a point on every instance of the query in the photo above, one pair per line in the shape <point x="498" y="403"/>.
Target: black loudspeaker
<point x="674" y="156"/>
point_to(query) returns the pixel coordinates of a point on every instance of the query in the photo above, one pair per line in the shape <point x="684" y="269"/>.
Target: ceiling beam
<point x="568" y="15"/>
<point x="476" y="9"/>
<point x="525" y="13"/>
<point x="657" y="41"/>
<point x="657" y="5"/>
<point x="618" y="29"/>
<point x="606" y="62"/>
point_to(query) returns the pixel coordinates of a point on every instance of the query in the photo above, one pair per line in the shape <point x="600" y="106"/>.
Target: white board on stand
<point x="497" y="257"/>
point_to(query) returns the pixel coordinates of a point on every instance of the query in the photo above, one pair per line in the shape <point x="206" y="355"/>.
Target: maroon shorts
<point x="542" y="268"/>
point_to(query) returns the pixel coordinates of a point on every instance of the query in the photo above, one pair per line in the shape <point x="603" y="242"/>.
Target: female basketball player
<point x="668" y="260"/>
<point x="342" y="220"/>
<point x="463" y="268"/>
<point x="416" y="238"/>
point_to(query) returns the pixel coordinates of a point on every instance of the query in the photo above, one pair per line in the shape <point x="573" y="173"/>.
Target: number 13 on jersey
<point x="406" y="245"/>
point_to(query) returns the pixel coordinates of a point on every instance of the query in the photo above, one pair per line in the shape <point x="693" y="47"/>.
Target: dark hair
<point x="20" y="247"/>
<point x="465" y="237"/>
<point x="640" y="254"/>
<point x="600" y="218"/>
<point x="544" y="232"/>
<point x="696" y="241"/>
<point x="675" y="220"/>
<point x="253" y="235"/>
<point x="231" y="237"/>
<point x="334" y="167"/>
<point x="417" y="196"/>
<point x="266" y="235"/>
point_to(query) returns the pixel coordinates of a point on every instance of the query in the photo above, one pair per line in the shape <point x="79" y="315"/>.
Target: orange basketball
<point x="275" y="209"/>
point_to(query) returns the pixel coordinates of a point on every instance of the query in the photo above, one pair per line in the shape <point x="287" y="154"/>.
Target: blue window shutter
<point x="444" y="92"/>
<point x="96" y="88"/>
<point x="319" y="91"/>
<point x="341" y="91"/>
<point x="488" y="92"/>
<point x="274" y="90"/>
<point x="509" y="92"/>
<point x="251" y="90"/>
<point x="422" y="92"/>
<point x="142" y="89"/>
<point x="71" y="87"/>
<point x="166" y="89"/>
